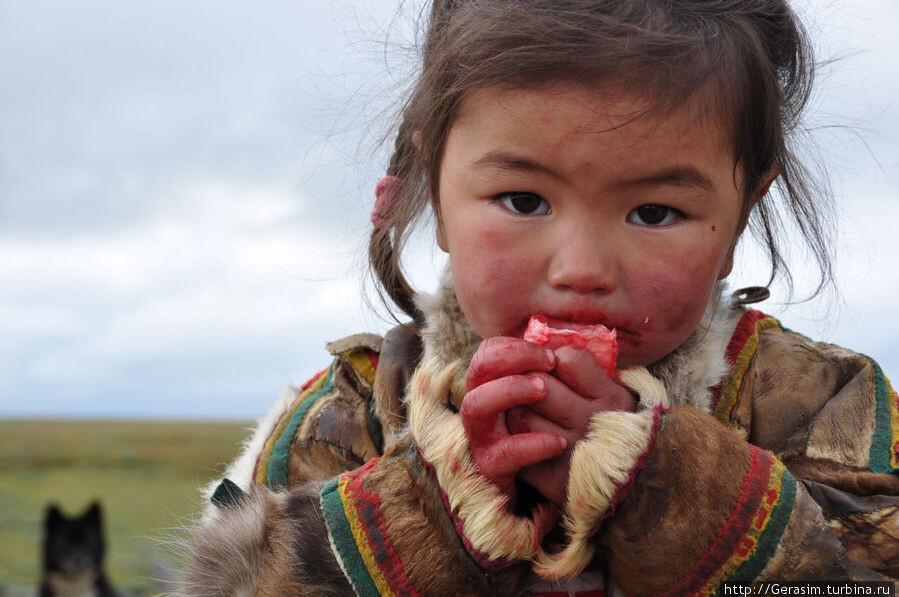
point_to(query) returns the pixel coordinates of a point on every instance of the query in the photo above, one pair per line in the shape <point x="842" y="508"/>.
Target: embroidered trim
<point x="751" y="533"/>
<point x="271" y="468"/>
<point x="272" y="463"/>
<point x="364" y="363"/>
<point x="358" y="535"/>
<point x="740" y="350"/>
<point x="771" y="528"/>
<point x="884" y="454"/>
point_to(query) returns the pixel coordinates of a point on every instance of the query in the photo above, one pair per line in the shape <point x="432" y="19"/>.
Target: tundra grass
<point x="145" y="474"/>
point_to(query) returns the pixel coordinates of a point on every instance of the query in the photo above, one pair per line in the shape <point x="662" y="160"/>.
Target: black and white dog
<point x="73" y="555"/>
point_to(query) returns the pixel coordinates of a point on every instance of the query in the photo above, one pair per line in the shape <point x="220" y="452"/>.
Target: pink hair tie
<point x="386" y="193"/>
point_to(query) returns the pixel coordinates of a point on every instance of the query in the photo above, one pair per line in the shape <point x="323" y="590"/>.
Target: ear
<point x="92" y="514"/>
<point x="767" y="180"/>
<point x="441" y="237"/>
<point x="52" y="516"/>
<point x="764" y="186"/>
<point x="440" y="234"/>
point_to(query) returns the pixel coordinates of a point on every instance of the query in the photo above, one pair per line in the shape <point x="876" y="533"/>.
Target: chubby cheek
<point x="667" y="310"/>
<point x="491" y="288"/>
<point x="485" y="288"/>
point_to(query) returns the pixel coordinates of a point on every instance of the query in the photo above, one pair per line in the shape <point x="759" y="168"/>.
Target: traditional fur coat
<point x="754" y="454"/>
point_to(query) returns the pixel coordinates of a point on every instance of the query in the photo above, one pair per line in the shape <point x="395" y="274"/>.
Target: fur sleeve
<point x="677" y="503"/>
<point x="709" y="508"/>
<point x="268" y="543"/>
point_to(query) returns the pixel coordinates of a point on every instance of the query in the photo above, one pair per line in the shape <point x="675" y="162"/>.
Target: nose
<point x="584" y="261"/>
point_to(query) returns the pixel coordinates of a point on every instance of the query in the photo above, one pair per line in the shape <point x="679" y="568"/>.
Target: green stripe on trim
<point x="768" y="542"/>
<point x="882" y="443"/>
<point x="343" y="542"/>
<point x="276" y="477"/>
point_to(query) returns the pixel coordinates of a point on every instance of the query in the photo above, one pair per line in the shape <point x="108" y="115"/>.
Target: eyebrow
<point x="505" y="160"/>
<point x="681" y="176"/>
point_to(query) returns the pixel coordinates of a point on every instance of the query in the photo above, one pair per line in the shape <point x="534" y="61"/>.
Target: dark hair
<point x="753" y="54"/>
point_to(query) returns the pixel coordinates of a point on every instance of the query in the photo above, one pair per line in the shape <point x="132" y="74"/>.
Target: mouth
<point x="621" y="325"/>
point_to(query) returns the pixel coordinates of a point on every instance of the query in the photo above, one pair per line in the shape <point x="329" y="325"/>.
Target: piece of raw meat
<point x="555" y="333"/>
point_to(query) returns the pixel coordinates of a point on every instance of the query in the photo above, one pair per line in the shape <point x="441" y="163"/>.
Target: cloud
<point x="184" y="190"/>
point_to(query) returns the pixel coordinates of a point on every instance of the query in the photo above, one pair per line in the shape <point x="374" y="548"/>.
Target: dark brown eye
<point x="527" y="204"/>
<point x="653" y="215"/>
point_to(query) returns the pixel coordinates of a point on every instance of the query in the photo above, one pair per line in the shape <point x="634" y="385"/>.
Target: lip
<point x="621" y="326"/>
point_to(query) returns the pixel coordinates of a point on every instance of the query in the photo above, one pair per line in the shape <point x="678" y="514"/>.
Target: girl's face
<point x="552" y="202"/>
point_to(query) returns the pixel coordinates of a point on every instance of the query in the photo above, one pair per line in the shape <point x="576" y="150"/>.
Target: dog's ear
<point x="52" y="516"/>
<point x="93" y="514"/>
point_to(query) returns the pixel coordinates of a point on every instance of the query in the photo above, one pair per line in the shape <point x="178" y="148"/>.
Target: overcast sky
<point x="184" y="187"/>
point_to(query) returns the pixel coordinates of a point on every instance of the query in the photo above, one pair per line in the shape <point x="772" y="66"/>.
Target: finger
<point x="580" y="371"/>
<point x="501" y="356"/>
<point x="549" y="477"/>
<point x="499" y="395"/>
<point x="508" y="456"/>
<point x="522" y="419"/>
<point x="563" y="406"/>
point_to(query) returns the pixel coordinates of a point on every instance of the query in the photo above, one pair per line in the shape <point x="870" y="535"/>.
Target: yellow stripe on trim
<point x="265" y="456"/>
<point x="750" y="540"/>
<point x="362" y="364"/>
<point x="892" y="398"/>
<point x="730" y="389"/>
<point x="358" y="530"/>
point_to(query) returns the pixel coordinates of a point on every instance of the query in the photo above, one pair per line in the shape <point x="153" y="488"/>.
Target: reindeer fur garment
<point x="669" y="494"/>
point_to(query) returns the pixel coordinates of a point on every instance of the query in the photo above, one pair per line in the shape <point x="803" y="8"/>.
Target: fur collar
<point x="689" y="374"/>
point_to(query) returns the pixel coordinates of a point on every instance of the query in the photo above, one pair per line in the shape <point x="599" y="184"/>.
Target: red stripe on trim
<point x="744" y="330"/>
<point x="729" y="538"/>
<point x="313" y="379"/>
<point x="368" y="508"/>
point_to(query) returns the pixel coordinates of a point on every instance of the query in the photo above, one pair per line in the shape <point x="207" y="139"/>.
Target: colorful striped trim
<point x="740" y="350"/>
<point x="358" y="535"/>
<point x="364" y="362"/>
<point x="770" y="528"/>
<point x="884" y="454"/>
<point x="751" y="533"/>
<point x="271" y="467"/>
<point x="272" y="463"/>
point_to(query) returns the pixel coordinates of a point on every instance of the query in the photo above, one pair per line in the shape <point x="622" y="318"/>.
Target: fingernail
<point x="550" y="357"/>
<point x="539" y="385"/>
<point x="563" y="443"/>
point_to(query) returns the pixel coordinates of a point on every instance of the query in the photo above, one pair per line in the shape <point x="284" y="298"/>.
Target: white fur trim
<point x="447" y="335"/>
<point x="651" y="391"/>
<point x="240" y="471"/>
<point x="600" y="464"/>
<point x="487" y="522"/>
<point x="692" y="371"/>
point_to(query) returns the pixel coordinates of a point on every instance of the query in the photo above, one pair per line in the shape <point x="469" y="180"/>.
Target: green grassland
<point x="146" y="474"/>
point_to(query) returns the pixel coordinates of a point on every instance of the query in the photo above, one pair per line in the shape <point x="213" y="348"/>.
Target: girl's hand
<point x="577" y="388"/>
<point x="506" y="373"/>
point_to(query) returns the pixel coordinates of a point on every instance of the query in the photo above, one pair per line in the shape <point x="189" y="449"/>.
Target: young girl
<point x="596" y="163"/>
